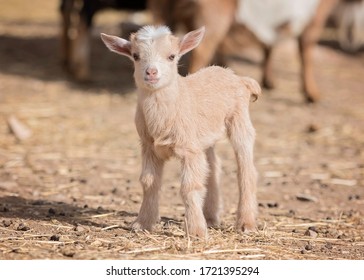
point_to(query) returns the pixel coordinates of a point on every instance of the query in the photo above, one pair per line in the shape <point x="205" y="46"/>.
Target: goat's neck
<point x="165" y="97"/>
<point x="159" y="109"/>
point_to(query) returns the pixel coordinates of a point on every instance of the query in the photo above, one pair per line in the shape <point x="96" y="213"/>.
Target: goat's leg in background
<point x="75" y="39"/>
<point x="307" y="42"/>
<point x="80" y="52"/>
<point x="267" y="79"/>
<point x="218" y="17"/>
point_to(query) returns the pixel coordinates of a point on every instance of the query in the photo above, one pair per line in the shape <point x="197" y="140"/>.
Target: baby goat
<point x="184" y="117"/>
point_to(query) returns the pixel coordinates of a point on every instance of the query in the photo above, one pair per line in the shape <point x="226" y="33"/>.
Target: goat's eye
<point x="136" y="56"/>
<point x="171" y="57"/>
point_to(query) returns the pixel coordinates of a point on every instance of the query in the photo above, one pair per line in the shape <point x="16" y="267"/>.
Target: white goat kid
<point x="184" y="117"/>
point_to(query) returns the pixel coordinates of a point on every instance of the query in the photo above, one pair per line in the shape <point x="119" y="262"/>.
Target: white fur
<point x="150" y="32"/>
<point x="263" y="17"/>
<point x="350" y="19"/>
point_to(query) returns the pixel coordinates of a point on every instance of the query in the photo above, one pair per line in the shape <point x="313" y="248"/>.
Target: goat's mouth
<point x="151" y="81"/>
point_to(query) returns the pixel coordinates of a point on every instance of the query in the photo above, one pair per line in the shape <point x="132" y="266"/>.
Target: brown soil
<point x="71" y="190"/>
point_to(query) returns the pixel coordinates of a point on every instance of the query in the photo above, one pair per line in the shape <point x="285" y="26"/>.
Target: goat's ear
<point x="191" y="40"/>
<point x="117" y="45"/>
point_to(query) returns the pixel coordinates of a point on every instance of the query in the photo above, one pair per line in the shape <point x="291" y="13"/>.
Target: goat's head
<point x="155" y="53"/>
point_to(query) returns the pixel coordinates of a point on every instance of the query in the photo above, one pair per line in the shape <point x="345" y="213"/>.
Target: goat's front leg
<point x="79" y="50"/>
<point x="151" y="179"/>
<point x="194" y="172"/>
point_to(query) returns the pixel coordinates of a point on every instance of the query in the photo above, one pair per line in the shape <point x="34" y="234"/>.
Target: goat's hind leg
<point x="212" y="206"/>
<point x="307" y="42"/>
<point x="267" y="80"/>
<point x="151" y="180"/>
<point x="242" y="137"/>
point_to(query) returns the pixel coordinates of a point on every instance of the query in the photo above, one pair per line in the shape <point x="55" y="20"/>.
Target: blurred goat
<point x="77" y="17"/>
<point x="265" y="21"/>
<point x="348" y="17"/>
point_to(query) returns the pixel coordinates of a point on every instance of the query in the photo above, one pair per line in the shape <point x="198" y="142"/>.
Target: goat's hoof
<point x="312" y="96"/>
<point x="198" y="233"/>
<point x="268" y="84"/>
<point x="213" y="222"/>
<point x="137" y="226"/>
<point x="311" y="99"/>
<point x="246" y="227"/>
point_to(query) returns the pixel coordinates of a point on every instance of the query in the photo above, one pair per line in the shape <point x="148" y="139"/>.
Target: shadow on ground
<point x="16" y="207"/>
<point x="39" y="57"/>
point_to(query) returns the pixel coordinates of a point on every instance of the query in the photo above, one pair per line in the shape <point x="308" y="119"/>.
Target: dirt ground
<point x="71" y="190"/>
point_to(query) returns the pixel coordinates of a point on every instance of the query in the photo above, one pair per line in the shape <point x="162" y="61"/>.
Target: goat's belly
<point x="209" y="139"/>
<point x="163" y="142"/>
<point x="163" y="151"/>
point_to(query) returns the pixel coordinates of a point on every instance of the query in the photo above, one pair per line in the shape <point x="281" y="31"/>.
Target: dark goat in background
<point x="77" y="16"/>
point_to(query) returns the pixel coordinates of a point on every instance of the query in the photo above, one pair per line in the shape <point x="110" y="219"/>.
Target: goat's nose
<point x="151" y="71"/>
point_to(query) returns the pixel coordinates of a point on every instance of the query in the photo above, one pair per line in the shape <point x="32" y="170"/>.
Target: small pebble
<point x="79" y="228"/>
<point x="23" y="227"/>
<point x="354" y="197"/>
<point x="313" y="229"/>
<point x="308" y="247"/>
<point x="341" y="236"/>
<point x="54" y="238"/>
<point x="7" y="223"/>
<point x="311" y="233"/>
<point x="68" y="253"/>
<point x="96" y="243"/>
<point x="306" y="198"/>
<point x="39" y="202"/>
<point x="51" y="211"/>
<point x="272" y="205"/>
<point x="312" y="128"/>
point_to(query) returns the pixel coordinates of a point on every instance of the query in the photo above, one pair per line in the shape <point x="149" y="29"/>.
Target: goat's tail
<point x="253" y="87"/>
